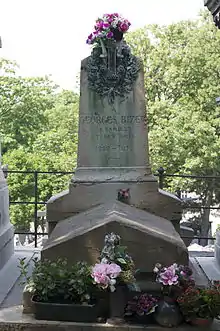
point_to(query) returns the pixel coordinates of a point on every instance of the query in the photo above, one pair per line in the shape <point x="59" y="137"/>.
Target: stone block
<point x="83" y="196"/>
<point x="149" y="238"/>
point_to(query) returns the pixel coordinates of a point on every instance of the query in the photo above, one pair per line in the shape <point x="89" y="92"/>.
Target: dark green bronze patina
<point x="112" y="72"/>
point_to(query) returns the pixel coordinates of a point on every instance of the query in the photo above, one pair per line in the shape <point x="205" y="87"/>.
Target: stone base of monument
<point x="12" y="319"/>
<point x="143" y="191"/>
<point x="150" y="239"/>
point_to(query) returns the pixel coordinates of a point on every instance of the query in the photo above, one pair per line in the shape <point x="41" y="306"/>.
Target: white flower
<point x="112" y="288"/>
<point x="112" y="282"/>
<point x="156" y="270"/>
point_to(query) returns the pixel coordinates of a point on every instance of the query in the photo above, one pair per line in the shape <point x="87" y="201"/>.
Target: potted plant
<point x="200" y="306"/>
<point x="64" y="293"/>
<point x="173" y="279"/>
<point x="140" y="309"/>
<point x="115" y="273"/>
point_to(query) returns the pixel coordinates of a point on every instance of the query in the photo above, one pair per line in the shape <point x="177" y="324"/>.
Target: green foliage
<point x="59" y="282"/>
<point x="202" y="303"/>
<point x="181" y="63"/>
<point x="51" y="148"/>
<point x="22" y="105"/>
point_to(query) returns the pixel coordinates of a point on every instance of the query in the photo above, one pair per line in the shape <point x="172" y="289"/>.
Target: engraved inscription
<point x="108" y="148"/>
<point x="112" y="132"/>
<point x="98" y="119"/>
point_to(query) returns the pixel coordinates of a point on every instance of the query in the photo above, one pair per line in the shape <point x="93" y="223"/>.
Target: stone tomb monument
<point x="6" y="228"/>
<point x="113" y="157"/>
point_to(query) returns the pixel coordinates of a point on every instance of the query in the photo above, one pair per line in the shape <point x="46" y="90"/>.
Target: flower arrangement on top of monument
<point x="174" y="278"/>
<point x="116" y="267"/>
<point x="109" y="27"/>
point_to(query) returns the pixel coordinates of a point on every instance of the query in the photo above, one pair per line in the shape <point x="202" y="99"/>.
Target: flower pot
<point x="117" y="303"/>
<point x="167" y="313"/>
<point x="65" y="312"/>
<point x="201" y="322"/>
<point x="140" y="320"/>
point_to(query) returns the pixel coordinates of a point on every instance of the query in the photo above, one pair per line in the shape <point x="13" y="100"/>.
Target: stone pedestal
<point x="6" y="228"/>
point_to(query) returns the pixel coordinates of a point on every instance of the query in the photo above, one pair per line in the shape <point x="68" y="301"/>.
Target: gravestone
<point x="113" y="156"/>
<point x="6" y="228"/>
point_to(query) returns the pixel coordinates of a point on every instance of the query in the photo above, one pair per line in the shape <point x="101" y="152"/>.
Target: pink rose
<point x="123" y="27"/>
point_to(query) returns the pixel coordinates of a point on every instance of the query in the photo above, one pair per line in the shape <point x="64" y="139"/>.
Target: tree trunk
<point x="205" y="226"/>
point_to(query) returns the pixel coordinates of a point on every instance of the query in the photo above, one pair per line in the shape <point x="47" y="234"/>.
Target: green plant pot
<point x="65" y="312"/>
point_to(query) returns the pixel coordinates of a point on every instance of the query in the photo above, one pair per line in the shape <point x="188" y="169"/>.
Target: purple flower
<point x="105" y="274"/>
<point x="109" y="35"/>
<point x="168" y="277"/>
<point x="90" y="38"/>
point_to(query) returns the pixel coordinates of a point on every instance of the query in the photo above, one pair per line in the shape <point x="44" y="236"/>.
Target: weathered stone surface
<point x="12" y="319"/>
<point x="149" y="238"/>
<point x="113" y="138"/>
<point x="83" y="196"/>
<point x="6" y="228"/>
<point x="217" y="248"/>
<point x="113" y="155"/>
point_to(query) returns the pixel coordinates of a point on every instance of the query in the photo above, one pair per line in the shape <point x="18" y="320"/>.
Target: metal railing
<point x="161" y="175"/>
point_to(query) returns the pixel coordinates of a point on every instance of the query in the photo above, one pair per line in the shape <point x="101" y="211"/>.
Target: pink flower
<point x="99" y="274"/>
<point x="109" y="34"/>
<point x="90" y="38"/>
<point x="123" y="27"/>
<point x="113" y="270"/>
<point x="101" y="25"/>
<point x="104" y="274"/>
<point x="106" y="25"/>
<point x="168" y="277"/>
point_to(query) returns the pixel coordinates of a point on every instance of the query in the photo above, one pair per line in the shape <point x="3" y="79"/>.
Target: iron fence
<point x="160" y="174"/>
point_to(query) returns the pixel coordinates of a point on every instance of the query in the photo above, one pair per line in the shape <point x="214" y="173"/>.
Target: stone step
<point x="10" y="289"/>
<point x="12" y="319"/>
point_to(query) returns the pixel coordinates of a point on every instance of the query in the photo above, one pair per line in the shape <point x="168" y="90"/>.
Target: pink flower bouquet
<point x="105" y="274"/>
<point x="175" y="276"/>
<point x="105" y="27"/>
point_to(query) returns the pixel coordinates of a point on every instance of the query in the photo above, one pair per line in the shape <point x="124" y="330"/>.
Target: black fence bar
<point x="161" y="174"/>
<point x="35" y="206"/>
